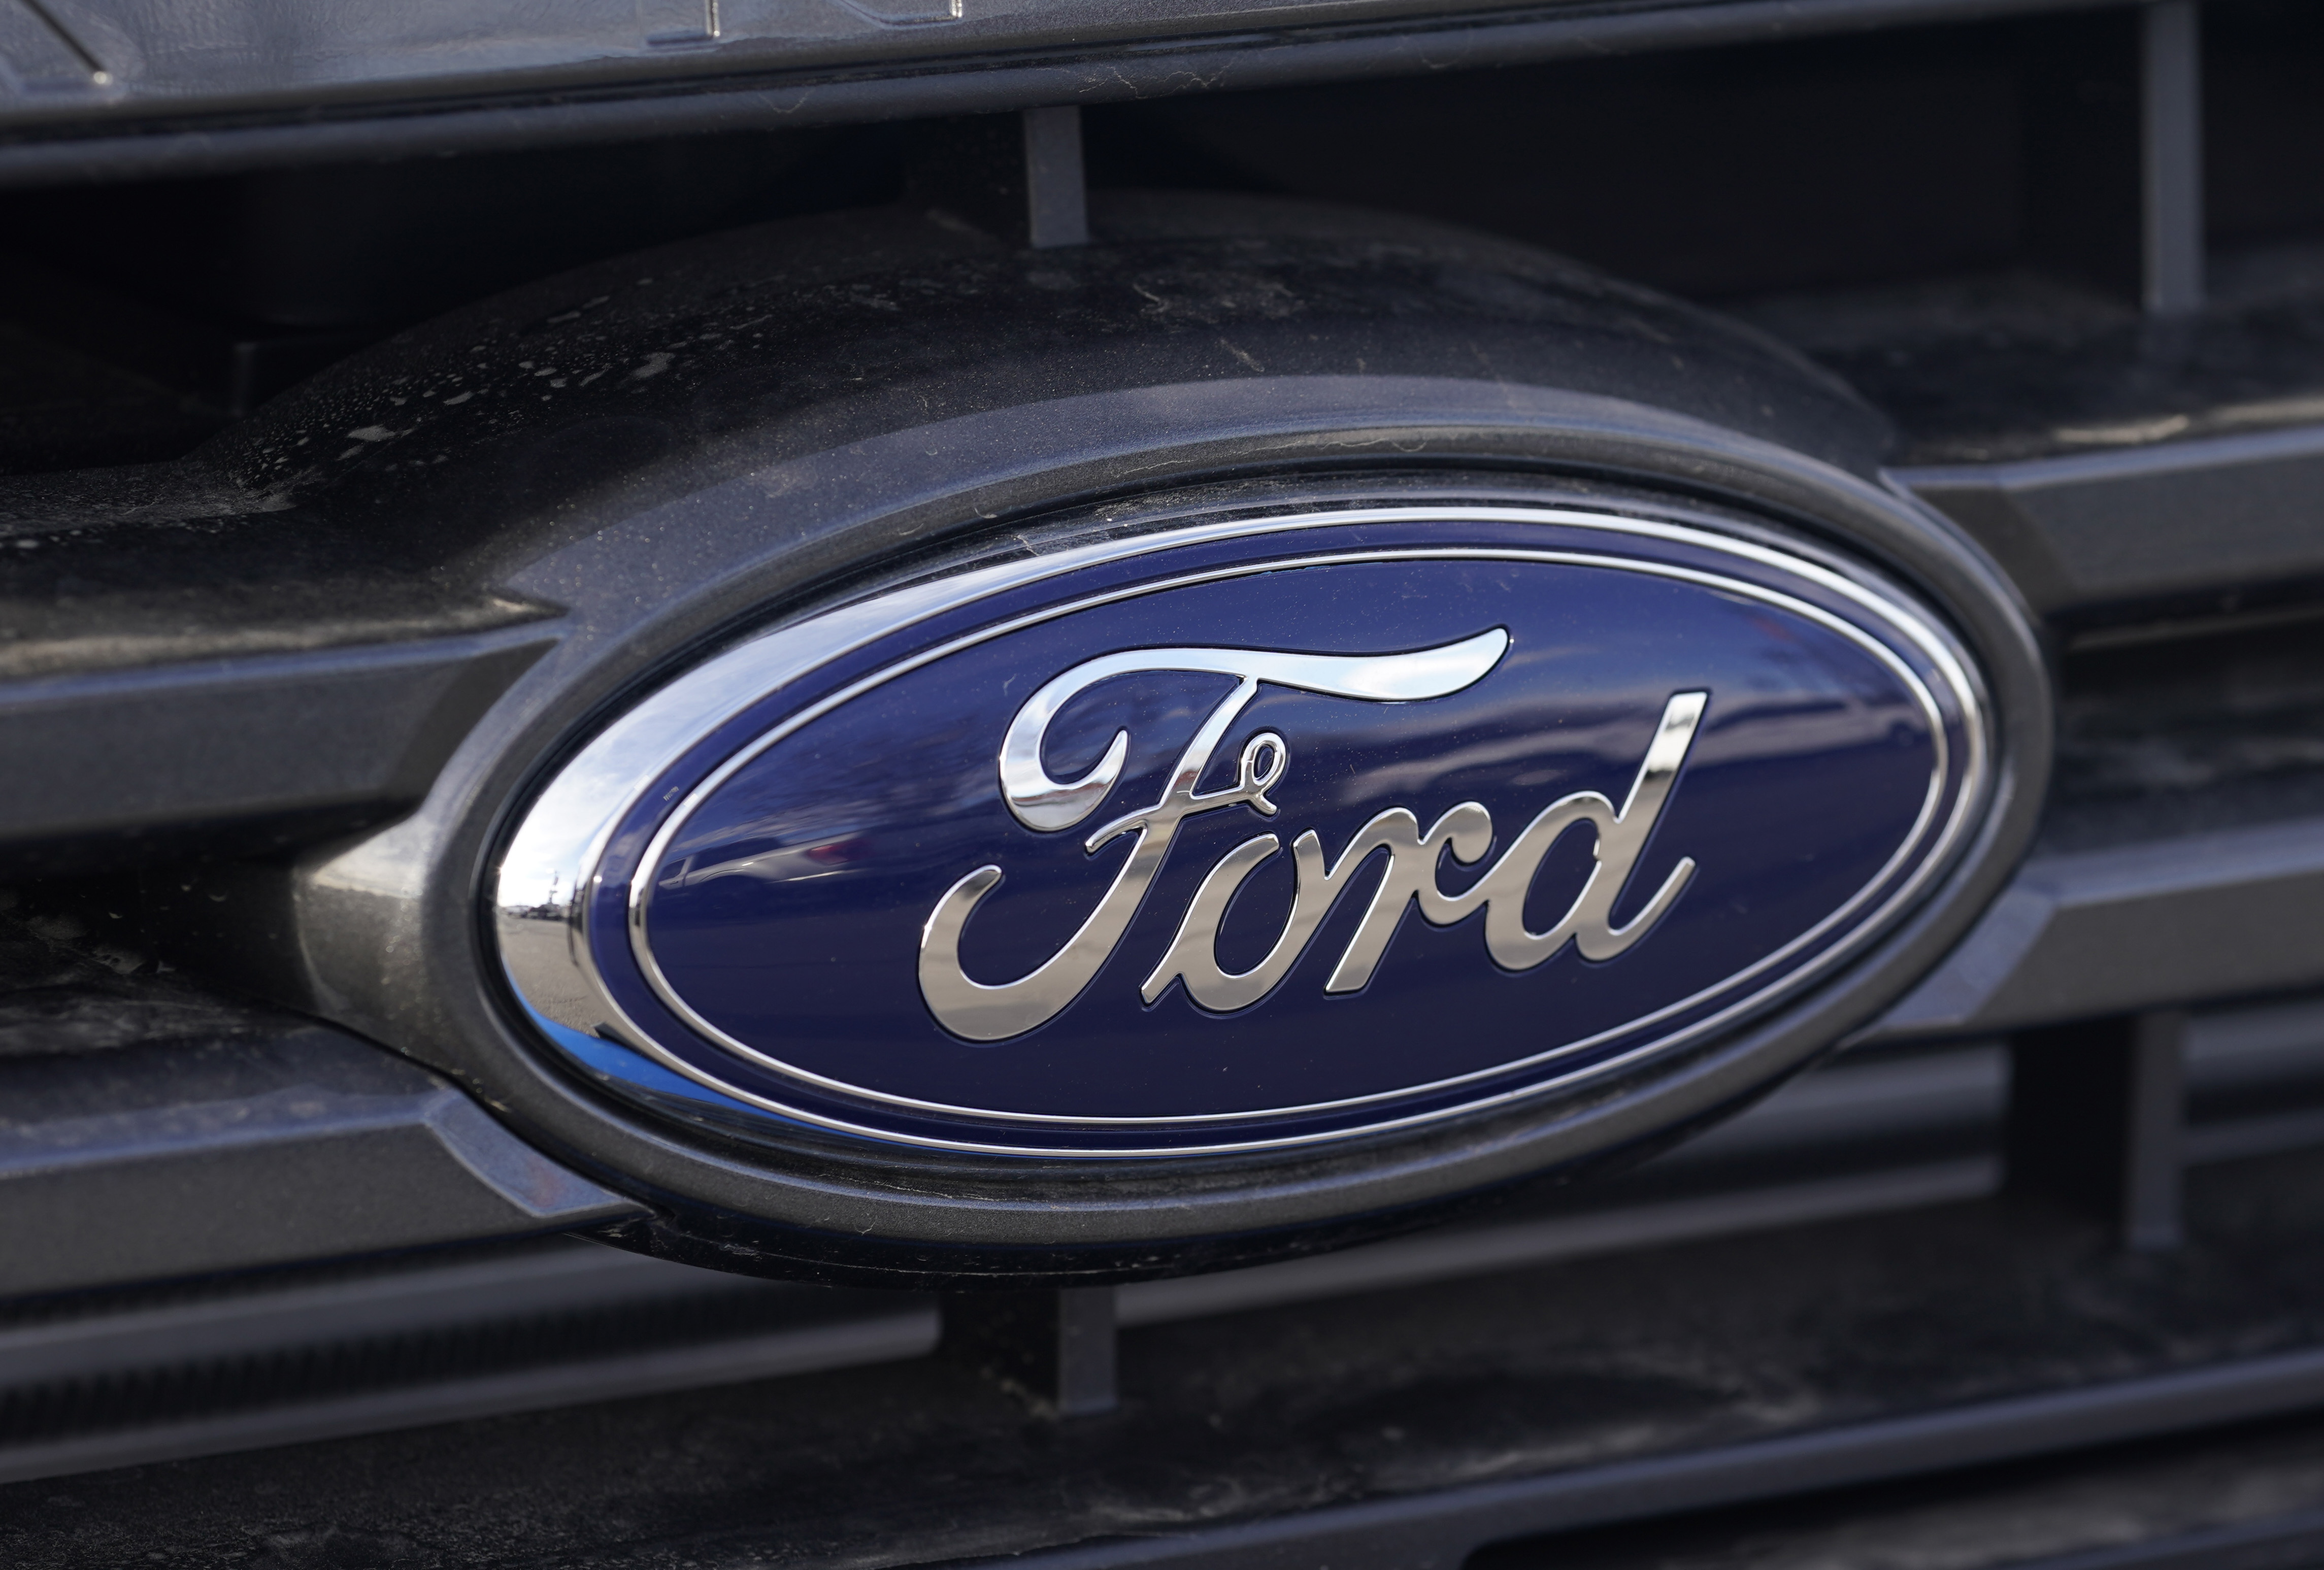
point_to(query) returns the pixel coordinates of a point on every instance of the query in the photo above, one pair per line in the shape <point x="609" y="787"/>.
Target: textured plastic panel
<point x="300" y="1143"/>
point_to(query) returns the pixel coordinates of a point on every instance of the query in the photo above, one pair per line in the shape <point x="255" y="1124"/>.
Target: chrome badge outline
<point x="562" y="835"/>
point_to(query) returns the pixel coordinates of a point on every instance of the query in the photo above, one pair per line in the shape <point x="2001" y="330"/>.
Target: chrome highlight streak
<point x="993" y="1012"/>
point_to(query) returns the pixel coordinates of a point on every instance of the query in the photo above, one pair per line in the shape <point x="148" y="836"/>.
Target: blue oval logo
<point x="1244" y="834"/>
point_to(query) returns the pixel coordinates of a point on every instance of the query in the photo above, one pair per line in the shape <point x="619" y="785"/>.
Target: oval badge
<point x="1244" y="834"/>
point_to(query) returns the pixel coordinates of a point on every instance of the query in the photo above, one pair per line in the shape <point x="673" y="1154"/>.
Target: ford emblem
<point x="1246" y="834"/>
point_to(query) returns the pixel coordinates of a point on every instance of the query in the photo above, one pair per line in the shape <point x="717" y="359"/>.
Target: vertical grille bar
<point x="2172" y="121"/>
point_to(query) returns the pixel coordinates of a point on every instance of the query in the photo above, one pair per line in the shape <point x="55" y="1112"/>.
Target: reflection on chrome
<point x="981" y="1011"/>
<point x="1467" y="831"/>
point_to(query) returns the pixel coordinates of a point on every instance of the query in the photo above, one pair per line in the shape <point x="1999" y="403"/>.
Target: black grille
<point x="1864" y="1314"/>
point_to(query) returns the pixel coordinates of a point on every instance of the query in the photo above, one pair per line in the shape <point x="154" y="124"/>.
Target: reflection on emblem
<point x="990" y="1013"/>
<point x="1623" y="788"/>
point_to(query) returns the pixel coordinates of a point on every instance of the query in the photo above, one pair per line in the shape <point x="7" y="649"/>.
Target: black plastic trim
<point x="611" y="94"/>
<point x="2146" y="525"/>
<point x="300" y="1143"/>
<point x="237" y="755"/>
<point x="1438" y="1531"/>
<point x="2089" y="933"/>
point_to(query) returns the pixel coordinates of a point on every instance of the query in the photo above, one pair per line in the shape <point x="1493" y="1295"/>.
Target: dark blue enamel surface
<point x="789" y="904"/>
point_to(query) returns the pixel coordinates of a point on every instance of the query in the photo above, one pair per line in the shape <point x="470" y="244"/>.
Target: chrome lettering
<point x="1467" y="832"/>
<point x="983" y="1012"/>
